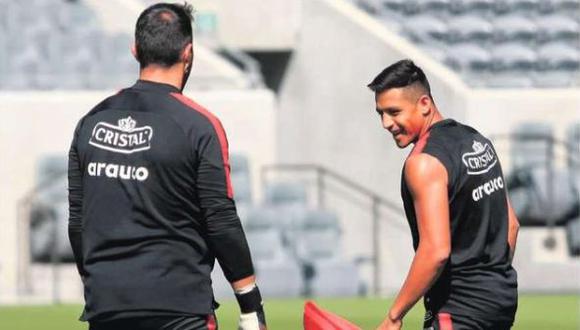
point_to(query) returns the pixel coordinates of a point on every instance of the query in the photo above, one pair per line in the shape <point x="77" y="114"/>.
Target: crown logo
<point x="127" y="124"/>
<point x="477" y="146"/>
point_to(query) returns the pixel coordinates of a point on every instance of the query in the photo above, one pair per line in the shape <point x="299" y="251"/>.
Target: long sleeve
<point x="75" y="200"/>
<point x="224" y="231"/>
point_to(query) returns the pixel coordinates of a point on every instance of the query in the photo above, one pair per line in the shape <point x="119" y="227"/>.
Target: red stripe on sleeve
<point x="445" y="321"/>
<point x="211" y="324"/>
<point x="221" y="133"/>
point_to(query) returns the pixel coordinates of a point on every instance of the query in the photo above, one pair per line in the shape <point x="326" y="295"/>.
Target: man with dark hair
<point x="151" y="203"/>
<point x="463" y="227"/>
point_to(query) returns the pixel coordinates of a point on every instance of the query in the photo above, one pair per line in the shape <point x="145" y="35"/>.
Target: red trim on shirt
<point x="420" y="145"/>
<point x="211" y="324"/>
<point x="221" y="133"/>
<point x="445" y="321"/>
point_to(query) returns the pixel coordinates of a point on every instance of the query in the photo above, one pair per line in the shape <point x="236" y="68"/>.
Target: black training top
<point x="151" y="205"/>
<point x="478" y="280"/>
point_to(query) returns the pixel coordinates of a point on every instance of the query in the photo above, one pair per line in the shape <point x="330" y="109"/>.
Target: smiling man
<point x="464" y="230"/>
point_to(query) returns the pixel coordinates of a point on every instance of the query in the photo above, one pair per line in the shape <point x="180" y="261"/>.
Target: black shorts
<point x="446" y="321"/>
<point x="199" y="322"/>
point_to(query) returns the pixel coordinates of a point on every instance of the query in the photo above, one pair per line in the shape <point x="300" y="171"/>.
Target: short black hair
<point x="161" y="33"/>
<point x="400" y="74"/>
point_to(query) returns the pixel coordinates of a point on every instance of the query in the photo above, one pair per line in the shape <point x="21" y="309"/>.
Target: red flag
<point x="316" y="318"/>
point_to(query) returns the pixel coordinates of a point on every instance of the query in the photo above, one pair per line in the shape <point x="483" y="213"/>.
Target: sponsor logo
<point x="481" y="160"/>
<point x="125" y="138"/>
<point x="487" y="188"/>
<point x="116" y="171"/>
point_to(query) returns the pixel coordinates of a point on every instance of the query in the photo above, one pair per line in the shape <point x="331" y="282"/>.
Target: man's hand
<point x="252" y="321"/>
<point x="252" y="315"/>
<point x="389" y="324"/>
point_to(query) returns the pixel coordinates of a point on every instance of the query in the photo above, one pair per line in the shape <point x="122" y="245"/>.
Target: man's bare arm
<point x="427" y="180"/>
<point x="513" y="228"/>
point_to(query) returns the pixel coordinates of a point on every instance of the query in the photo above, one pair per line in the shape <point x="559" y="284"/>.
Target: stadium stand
<point x="57" y="44"/>
<point x="49" y="212"/>
<point x="318" y="246"/>
<point x="573" y="236"/>
<point x="296" y="249"/>
<point x="573" y="140"/>
<point x="285" y="194"/>
<point x="533" y="43"/>
<point x="279" y="272"/>
<point x="241" y="178"/>
<point x="532" y="146"/>
<point x="544" y="196"/>
<point x="542" y="193"/>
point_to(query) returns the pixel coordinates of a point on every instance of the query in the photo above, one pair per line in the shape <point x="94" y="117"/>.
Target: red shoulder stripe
<point x="445" y="321"/>
<point x="211" y="323"/>
<point x="221" y="133"/>
<point x="420" y="145"/>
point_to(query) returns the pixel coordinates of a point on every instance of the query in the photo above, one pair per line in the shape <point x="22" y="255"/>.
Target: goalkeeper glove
<point x="252" y="315"/>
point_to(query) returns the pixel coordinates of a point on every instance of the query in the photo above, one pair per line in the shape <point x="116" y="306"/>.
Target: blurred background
<point x="315" y="176"/>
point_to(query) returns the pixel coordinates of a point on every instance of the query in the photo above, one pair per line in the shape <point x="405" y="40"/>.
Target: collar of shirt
<point x="155" y="86"/>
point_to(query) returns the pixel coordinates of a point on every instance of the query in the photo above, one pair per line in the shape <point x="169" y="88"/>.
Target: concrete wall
<point x="327" y="114"/>
<point x="36" y="123"/>
<point x="255" y="24"/>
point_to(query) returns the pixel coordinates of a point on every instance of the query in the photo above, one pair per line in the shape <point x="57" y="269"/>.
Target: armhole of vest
<point x="445" y="158"/>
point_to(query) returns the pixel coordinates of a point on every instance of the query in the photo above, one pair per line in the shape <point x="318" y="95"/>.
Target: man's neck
<point x="434" y="118"/>
<point x="172" y="75"/>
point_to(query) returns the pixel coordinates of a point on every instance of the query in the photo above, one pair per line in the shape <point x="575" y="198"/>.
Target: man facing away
<point x="463" y="227"/>
<point x="151" y="203"/>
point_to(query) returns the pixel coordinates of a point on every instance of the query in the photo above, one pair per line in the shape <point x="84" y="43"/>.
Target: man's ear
<point x="134" y="50"/>
<point x="425" y="104"/>
<point x="187" y="54"/>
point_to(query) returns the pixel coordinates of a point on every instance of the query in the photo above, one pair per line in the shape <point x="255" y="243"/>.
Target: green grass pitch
<point x="541" y="312"/>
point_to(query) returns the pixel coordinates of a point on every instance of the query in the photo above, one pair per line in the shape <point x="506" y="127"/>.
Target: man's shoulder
<point x="197" y="112"/>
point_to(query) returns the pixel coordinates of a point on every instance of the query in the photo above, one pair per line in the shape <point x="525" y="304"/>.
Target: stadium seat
<point x="514" y="59"/>
<point x="318" y="247"/>
<point x="531" y="147"/>
<point x="435" y="7"/>
<point x="544" y="195"/>
<point x="285" y="193"/>
<point x="525" y="7"/>
<point x="471" y="60"/>
<point x="564" y="6"/>
<point x="279" y="272"/>
<point x="470" y="28"/>
<point x="573" y="141"/>
<point x="79" y="69"/>
<point x="24" y="69"/>
<point x="558" y="27"/>
<point x="558" y="55"/>
<point x="241" y="179"/>
<point x="319" y="236"/>
<point x="49" y="234"/>
<point x="394" y="5"/>
<point x="425" y="28"/>
<point x="514" y="28"/>
<point x="558" y="65"/>
<point x="49" y="211"/>
<point x="476" y="7"/>
<point x="512" y="64"/>
<point x="468" y="56"/>
<point x="335" y="278"/>
<point x="573" y="237"/>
